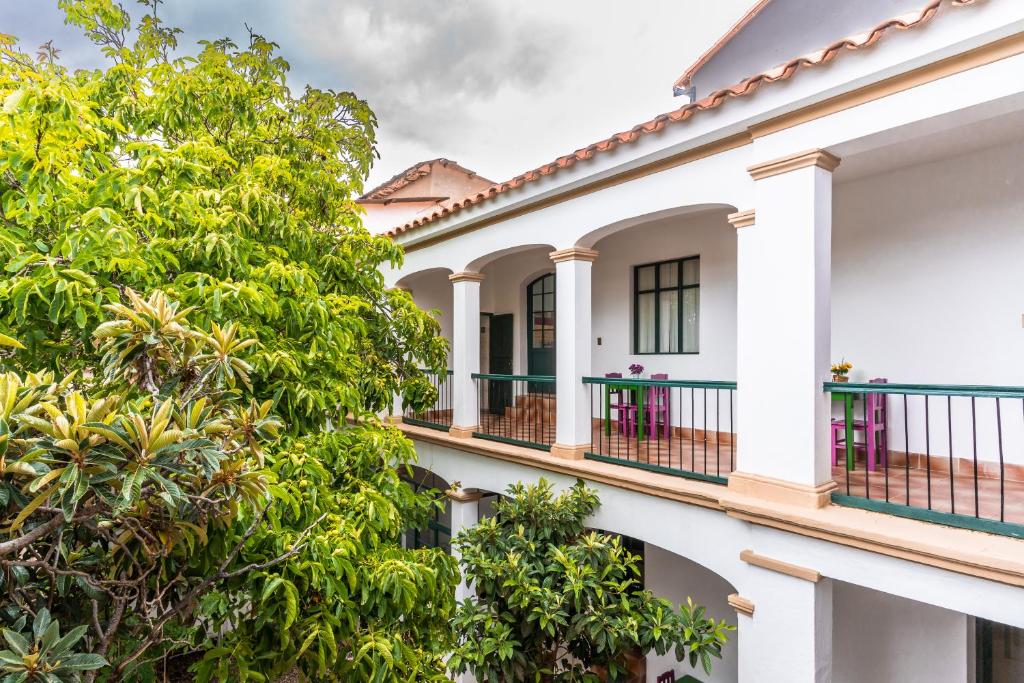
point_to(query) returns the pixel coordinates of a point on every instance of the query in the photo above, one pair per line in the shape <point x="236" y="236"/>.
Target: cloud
<point x="500" y="87"/>
<point x="425" y="65"/>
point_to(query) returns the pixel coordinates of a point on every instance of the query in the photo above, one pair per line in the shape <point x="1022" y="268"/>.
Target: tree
<point x="554" y="602"/>
<point x="189" y="302"/>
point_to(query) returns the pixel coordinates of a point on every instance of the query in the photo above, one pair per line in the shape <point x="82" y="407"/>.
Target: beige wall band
<point x="741" y="219"/>
<point x="814" y="157"/>
<point x="771" y="564"/>
<point x="466" y="276"/>
<point x="573" y="254"/>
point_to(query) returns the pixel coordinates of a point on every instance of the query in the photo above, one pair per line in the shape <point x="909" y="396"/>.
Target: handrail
<point x="979" y="390"/>
<point x="686" y="384"/>
<point x="518" y="378"/>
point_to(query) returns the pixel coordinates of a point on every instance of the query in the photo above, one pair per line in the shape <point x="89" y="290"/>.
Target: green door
<point x="540" y="317"/>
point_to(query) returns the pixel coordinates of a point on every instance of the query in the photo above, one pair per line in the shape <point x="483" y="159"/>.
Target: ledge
<point x="660" y="485"/>
<point x="973" y="553"/>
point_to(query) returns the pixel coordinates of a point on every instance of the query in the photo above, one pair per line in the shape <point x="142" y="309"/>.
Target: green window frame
<point x="664" y="290"/>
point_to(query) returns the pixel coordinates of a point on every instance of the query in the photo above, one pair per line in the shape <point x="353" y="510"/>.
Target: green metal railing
<point x="439" y="415"/>
<point x="516" y="409"/>
<point x="679" y="427"/>
<point x="946" y="453"/>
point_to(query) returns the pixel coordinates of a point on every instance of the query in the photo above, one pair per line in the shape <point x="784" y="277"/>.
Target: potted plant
<point x="841" y="371"/>
<point x="636" y="370"/>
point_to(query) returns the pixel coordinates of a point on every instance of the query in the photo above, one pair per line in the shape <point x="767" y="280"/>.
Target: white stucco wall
<point x="928" y="287"/>
<point x="881" y="637"/>
<point x="707" y="235"/>
<point x="504" y="291"/>
<point x="675" y="578"/>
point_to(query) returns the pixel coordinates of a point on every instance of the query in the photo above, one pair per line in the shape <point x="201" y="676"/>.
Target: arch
<point x="592" y="237"/>
<point x="408" y="280"/>
<point x="480" y="262"/>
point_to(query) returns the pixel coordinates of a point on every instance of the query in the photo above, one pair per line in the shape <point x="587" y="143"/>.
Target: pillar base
<point x="463" y="432"/>
<point x="780" y="491"/>
<point x="569" y="452"/>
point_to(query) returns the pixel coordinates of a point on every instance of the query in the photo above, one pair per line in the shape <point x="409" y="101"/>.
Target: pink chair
<point x="875" y="431"/>
<point x="624" y="410"/>
<point x="656" y="409"/>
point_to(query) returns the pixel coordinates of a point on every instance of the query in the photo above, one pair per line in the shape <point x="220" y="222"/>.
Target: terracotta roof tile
<point x="745" y="87"/>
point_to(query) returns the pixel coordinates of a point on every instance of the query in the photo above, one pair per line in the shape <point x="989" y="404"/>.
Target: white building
<point x="862" y="201"/>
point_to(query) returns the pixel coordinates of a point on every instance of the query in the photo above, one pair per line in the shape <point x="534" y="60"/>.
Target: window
<point x="666" y="306"/>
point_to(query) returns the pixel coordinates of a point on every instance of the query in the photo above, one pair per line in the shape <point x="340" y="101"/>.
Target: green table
<point x="624" y="386"/>
<point x="847" y="399"/>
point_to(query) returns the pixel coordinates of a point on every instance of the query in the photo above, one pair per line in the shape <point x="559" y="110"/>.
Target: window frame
<point x="679" y="288"/>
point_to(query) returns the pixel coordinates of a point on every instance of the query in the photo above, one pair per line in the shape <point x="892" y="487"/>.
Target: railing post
<point x="784" y="331"/>
<point x="572" y="351"/>
<point x="465" y="352"/>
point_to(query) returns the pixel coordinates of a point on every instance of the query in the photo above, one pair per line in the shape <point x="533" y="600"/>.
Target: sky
<point x="500" y="87"/>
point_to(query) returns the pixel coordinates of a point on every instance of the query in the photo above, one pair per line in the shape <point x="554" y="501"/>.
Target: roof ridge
<point x="747" y="86"/>
<point x="412" y="174"/>
<point x="683" y="82"/>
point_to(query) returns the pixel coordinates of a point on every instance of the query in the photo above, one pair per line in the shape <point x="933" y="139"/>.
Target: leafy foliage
<point x="43" y="655"/>
<point x="206" y="177"/>
<point x="557" y="603"/>
<point x="189" y="300"/>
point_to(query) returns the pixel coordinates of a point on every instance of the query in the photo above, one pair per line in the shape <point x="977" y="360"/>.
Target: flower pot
<point x="840" y="378"/>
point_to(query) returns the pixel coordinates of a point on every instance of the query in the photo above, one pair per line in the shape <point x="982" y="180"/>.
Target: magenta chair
<point x="623" y="409"/>
<point x="656" y="409"/>
<point x="875" y="430"/>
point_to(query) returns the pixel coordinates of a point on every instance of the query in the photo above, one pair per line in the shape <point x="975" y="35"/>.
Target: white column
<point x="465" y="507"/>
<point x="784" y="627"/>
<point x="572" y="351"/>
<point x="465" y="352"/>
<point x="784" y="331"/>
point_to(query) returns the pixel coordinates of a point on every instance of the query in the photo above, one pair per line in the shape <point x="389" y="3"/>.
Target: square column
<point x="572" y="351"/>
<point x="784" y="625"/>
<point x="465" y="507"/>
<point x="465" y="352"/>
<point x="784" y="331"/>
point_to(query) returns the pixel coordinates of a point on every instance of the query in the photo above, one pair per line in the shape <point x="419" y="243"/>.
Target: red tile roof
<point x="683" y="81"/>
<point x="745" y="87"/>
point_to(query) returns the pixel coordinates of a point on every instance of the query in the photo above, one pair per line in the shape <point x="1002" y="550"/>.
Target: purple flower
<point x="636" y="369"/>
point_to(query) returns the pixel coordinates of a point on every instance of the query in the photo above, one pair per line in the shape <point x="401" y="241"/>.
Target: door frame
<point x="530" y="363"/>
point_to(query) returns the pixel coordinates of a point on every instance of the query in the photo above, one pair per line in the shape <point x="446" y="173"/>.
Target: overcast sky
<point x="500" y="87"/>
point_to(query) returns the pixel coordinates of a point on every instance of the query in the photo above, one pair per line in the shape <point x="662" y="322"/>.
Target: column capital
<point x="814" y="157"/>
<point x="466" y="276"/>
<point x="741" y="604"/>
<point x="741" y="219"/>
<point x="464" y="496"/>
<point x="573" y="254"/>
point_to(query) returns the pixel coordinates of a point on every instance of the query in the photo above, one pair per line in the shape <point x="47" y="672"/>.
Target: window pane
<point x="691" y="320"/>
<point x="538" y="329"/>
<point x="669" y="275"/>
<point x="549" y="284"/>
<point x="645" y="324"/>
<point x="668" y="335"/>
<point x="549" y="302"/>
<point x="691" y="271"/>
<point x="645" y="277"/>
